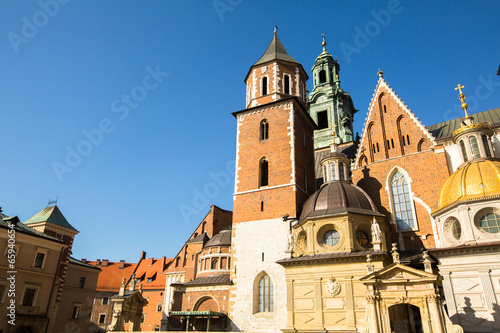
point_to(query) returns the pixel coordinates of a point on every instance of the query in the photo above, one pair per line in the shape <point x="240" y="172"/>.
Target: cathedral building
<point x="333" y="233"/>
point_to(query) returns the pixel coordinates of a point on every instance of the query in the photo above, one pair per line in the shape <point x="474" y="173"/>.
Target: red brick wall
<point x="427" y="170"/>
<point x="278" y="152"/>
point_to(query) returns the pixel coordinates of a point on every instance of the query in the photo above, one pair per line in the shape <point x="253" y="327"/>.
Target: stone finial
<point x="140" y="288"/>
<point x="395" y="254"/>
<point x="380" y="73"/>
<point x="132" y="282"/>
<point x="122" y="287"/>
<point x="427" y="262"/>
<point x="369" y="266"/>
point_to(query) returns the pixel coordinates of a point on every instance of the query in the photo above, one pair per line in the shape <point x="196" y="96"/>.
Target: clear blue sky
<point x="67" y="70"/>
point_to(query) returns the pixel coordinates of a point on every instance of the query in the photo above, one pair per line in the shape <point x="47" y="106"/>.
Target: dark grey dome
<point x="338" y="197"/>
<point x="223" y="238"/>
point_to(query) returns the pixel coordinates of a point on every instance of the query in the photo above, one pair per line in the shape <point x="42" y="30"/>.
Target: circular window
<point x="490" y="223"/>
<point x="332" y="238"/>
<point x="456" y="230"/>
<point x="362" y="238"/>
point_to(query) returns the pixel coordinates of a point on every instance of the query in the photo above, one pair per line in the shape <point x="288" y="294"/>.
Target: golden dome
<point x="474" y="180"/>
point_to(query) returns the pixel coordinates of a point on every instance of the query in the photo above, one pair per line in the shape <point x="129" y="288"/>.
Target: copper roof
<point x="53" y="215"/>
<point x="210" y="279"/>
<point x="223" y="238"/>
<point x="338" y="197"/>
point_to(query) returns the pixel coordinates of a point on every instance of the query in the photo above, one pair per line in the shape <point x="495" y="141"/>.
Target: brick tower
<point x="274" y="177"/>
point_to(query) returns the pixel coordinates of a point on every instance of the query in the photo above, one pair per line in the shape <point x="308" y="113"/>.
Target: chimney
<point x="105" y="262"/>
<point x="143" y="255"/>
<point x="164" y="263"/>
<point x="83" y="260"/>
<point x="122" y="264"/>
<point x="98" y="262"/>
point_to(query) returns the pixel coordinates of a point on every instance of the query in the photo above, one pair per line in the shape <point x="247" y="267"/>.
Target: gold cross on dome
<point x="461" y="95"/>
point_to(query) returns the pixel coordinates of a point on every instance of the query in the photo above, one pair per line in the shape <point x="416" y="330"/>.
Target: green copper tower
<point x="330" y="106"/>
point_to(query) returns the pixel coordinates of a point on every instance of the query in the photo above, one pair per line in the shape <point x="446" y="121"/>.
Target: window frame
<point x="45" y="253"/>
<point x="263" y="172"/>
<point x="389" y="188"/>
<point x="76" y="306"/>
<point x="80" y="285"/>
<point x="36" y="288"/>
<point x="101" y="315"/>
<point x="264" y="294"/>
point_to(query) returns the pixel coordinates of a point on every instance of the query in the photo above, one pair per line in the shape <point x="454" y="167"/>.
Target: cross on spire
<point x="461" y="97"/>
<point x="275" y="27"/>
<point x="324" y="43"/>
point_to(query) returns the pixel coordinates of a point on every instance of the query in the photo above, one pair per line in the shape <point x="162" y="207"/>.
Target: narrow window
<point x="486" y="145"/>
<point x="262" y="206"/>
<point x="287" y="84"/>
<point x="39" y="260"/>
<point x="341" y="171"/>
<point x="83" y="279"/>
<point x="408" y="139"/>
<point x="29" y="297"/>
<point x="333" y="176"/>
<point x="378" y="150"/>
<point x="392" y="143"/>
<point x="322" y="76"/>
<point x="388" y="145"/>
<point x="264" y="130"/>
<point x="75" y="314"/>
<point x="105" y="300"/>
<point x="403" y="139"/>
<point x="322" y="120"/>
<point x="264" y="173"/>
<point x="373" y="147"/>
<point x="420" y="144"/>
<point x="266" y="294"/>
<point x="402" y="202"/>
<point x="102" y="318"/>
<point x="215" y="263"/>
<point x="264" y="85"/>
<point x="464" y="151"/>
<point x="385" y="109"/>
<point x="262" y="256"/>
<point x="474" y="147"/>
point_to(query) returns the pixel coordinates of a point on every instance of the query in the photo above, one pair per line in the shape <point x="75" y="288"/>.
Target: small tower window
<point x="264" y="130"/>
<point x="408" y="139"/>
<point x="262" y="206"/>
<point x="474" y="147"/>
<point x="264" y="173"/>
<point x="332" y="172"/>
<point x="341" y="171"/>
<point x="464" y="151"/>
<point x="322" y="76"/>
<point x="385" y="109"/>
<point x="264" y="85"/>
<point x="322" y="120"/>
<point x="486" y="145"/>
<point x="287" y="84"/>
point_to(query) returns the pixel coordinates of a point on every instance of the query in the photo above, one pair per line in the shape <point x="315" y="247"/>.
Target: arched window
<point x="486" y="145"/>
<point x="264" y="173"/>
<point x="403" y="210"/>
<point x="464" y="151"/>
<point x="474" y="147"/>
<point x="333" y="176"/>
<point x="215" y="263"/>
<point x="266" y="294"/>
<point x="341" y="171"/>
<point x="287" y="84"/>
<point x="322" y="76"/>
<point x="264" y="85"/>
<point x="420" y="144"/>
<point x="264" y="130"/>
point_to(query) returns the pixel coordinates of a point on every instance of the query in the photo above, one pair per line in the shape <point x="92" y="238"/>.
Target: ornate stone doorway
<point x="405" y="318"/>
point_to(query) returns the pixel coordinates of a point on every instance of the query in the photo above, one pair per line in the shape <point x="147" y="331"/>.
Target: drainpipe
<point x="52" y="290"/>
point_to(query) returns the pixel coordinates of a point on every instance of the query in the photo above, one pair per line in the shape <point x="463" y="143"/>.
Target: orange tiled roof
<point x="110" y="278"/>
<point x="152" y="270"/>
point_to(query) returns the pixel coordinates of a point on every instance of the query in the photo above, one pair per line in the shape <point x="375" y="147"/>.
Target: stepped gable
<point x="383" y="87"/>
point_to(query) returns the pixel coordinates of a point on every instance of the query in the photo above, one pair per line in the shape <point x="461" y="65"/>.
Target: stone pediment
<point x="395" y="273"/>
